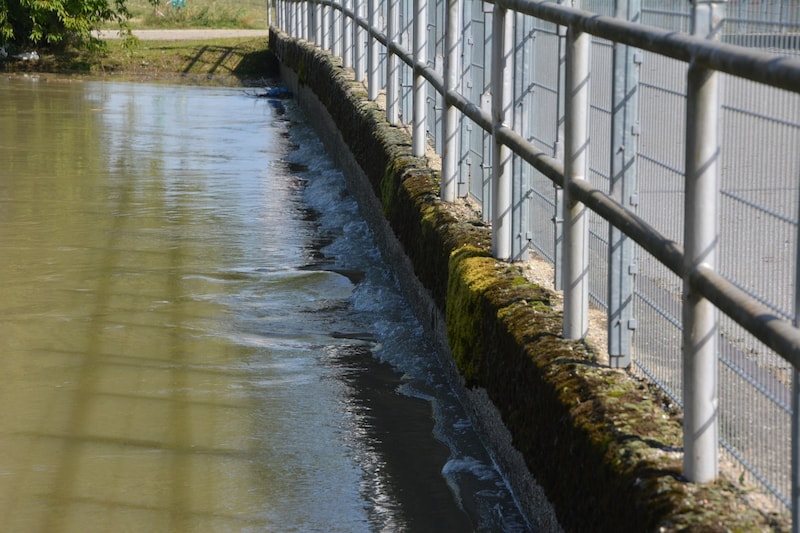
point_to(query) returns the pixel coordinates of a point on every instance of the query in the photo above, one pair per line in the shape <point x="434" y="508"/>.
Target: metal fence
<point x="657" y="171"/>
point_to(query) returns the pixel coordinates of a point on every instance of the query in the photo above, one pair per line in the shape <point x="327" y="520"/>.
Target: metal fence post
<point x="521" y="182"/>
<point x="576" y="140"/>
<point x="502" y="95"/>
<point x="303" y="20"/>
<point x="795" y="458"/>
<point x="420" y="93"/>
<point x="336" y="31"/>
<point x="623" y="188"/>
<point x="360" y="43"/>
<point x="392" y="67"/>
<point x="373" y="52"/>
<point x="558" y="153"/>
<point x="700" y="323"/>
<point x="317" y="16"/>
<point x="450" y="123"/>
<point x="347" y="36"/>
<point x="324" y="26"/>
<point x="299" y="29"/>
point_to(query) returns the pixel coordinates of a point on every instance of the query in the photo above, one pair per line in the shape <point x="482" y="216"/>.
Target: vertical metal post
<point x="303" y="20"/>
<point x="502" y="95"/>
<point x="574" y="213"/>
<point x="392" y="67"/>
<point x="325" y="27"/>
<point x="336" y="31"/>
<point x="318" y="24"/>
<point x="347" y="36"/>
<point x="270" y="21"/>
<point x="795" y="502"/>
<point x="298" y="18"/>
<point x="558" y="153"/>
<point x="419" y="136"/>
<point x="373" y="52"/>
<point x="524" y="38"/>
<point x="360" y="41"/>
<point x="485" y="139"/>
<point x="700" y="327"/>
<point x="623" y="188"/>
<point x="450" y="123"/>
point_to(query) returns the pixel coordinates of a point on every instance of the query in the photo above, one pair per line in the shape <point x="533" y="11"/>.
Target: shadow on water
<point x="400" y="429"/>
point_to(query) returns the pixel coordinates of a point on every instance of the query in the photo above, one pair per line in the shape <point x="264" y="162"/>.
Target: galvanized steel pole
<point x="795" y="501"/>
<point x="392" y="66"/>
<point x="558" y="153"/>
<point x="336" y="32"/>
<point x="574" y="214"/>
<point x="450" y="123"/>
<point x="325" y="26"/>
<point x="347" y="36"/>
<point x="304" y="21"/>
<point x="318" y="25"/>
<point x="502" y="168"/>
<point x="623" y="188"/>
<point x="419" y="134"/>
<point x="360" y="42"/>
<point x="373" y="52"/>
<point x="700" y="322"/>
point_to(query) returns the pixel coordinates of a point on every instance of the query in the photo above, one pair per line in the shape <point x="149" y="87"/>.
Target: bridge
<point x="647" y="153"/>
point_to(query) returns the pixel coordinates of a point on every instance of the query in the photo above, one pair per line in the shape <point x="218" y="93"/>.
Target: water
<point x="198" y="334"/>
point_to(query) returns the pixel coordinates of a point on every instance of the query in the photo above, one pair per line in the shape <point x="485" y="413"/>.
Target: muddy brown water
<point x="197" y="333"/>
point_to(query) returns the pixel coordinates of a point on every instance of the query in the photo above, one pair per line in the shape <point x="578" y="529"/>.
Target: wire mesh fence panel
<point x="600" y="125"/>
<point x="773" y="24"/>
<point x="662" y="110"/>
<point x="755" y="417"/>
<point x="543" y="212"/>
<point x="657" y="341"/>
<point x="757" y="251"/>
<point x="475" y="161"/>
<point x="667" y="14"/>
<point x="660" y="163"/>
<point x="543" y="132"/>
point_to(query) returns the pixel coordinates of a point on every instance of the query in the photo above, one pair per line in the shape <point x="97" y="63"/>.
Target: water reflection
<point x="185" y="344"/>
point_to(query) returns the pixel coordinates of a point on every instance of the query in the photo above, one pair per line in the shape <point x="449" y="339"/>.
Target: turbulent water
<point x="197" y="332"/>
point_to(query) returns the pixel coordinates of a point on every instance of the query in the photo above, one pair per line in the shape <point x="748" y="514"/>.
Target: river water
<point x="197" y="332"/>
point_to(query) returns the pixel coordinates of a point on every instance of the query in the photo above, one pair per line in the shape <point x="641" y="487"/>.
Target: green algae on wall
<point x="598" y="441"/>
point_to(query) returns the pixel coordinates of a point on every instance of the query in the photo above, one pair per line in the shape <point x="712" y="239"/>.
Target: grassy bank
<point x="227" y="61"/>
<point x="199" y="14"/>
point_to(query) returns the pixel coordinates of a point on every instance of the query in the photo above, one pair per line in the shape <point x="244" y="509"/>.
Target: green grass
<point x="246" y="14"/>
<point x="231" y="61"/>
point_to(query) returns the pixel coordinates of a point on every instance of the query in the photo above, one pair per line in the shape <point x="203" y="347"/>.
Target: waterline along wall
<point x="599" y="443"/>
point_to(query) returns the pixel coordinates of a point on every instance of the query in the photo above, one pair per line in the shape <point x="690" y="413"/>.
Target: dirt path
<point x="184" y="35"/>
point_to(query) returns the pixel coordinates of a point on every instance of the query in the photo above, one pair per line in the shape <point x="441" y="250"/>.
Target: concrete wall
<point x="599" y="442"/>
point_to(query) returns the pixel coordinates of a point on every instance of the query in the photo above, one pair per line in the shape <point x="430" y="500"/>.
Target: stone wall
<point x="598" y="441"/>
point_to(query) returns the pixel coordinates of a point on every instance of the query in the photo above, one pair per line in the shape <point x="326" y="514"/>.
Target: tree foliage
<point x="49" y="23"/>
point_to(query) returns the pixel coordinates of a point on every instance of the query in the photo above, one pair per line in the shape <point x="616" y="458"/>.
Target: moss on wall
<point x="598" y="441"/>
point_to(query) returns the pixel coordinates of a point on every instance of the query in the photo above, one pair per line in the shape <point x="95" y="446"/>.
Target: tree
<point x="51" y="23"/>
